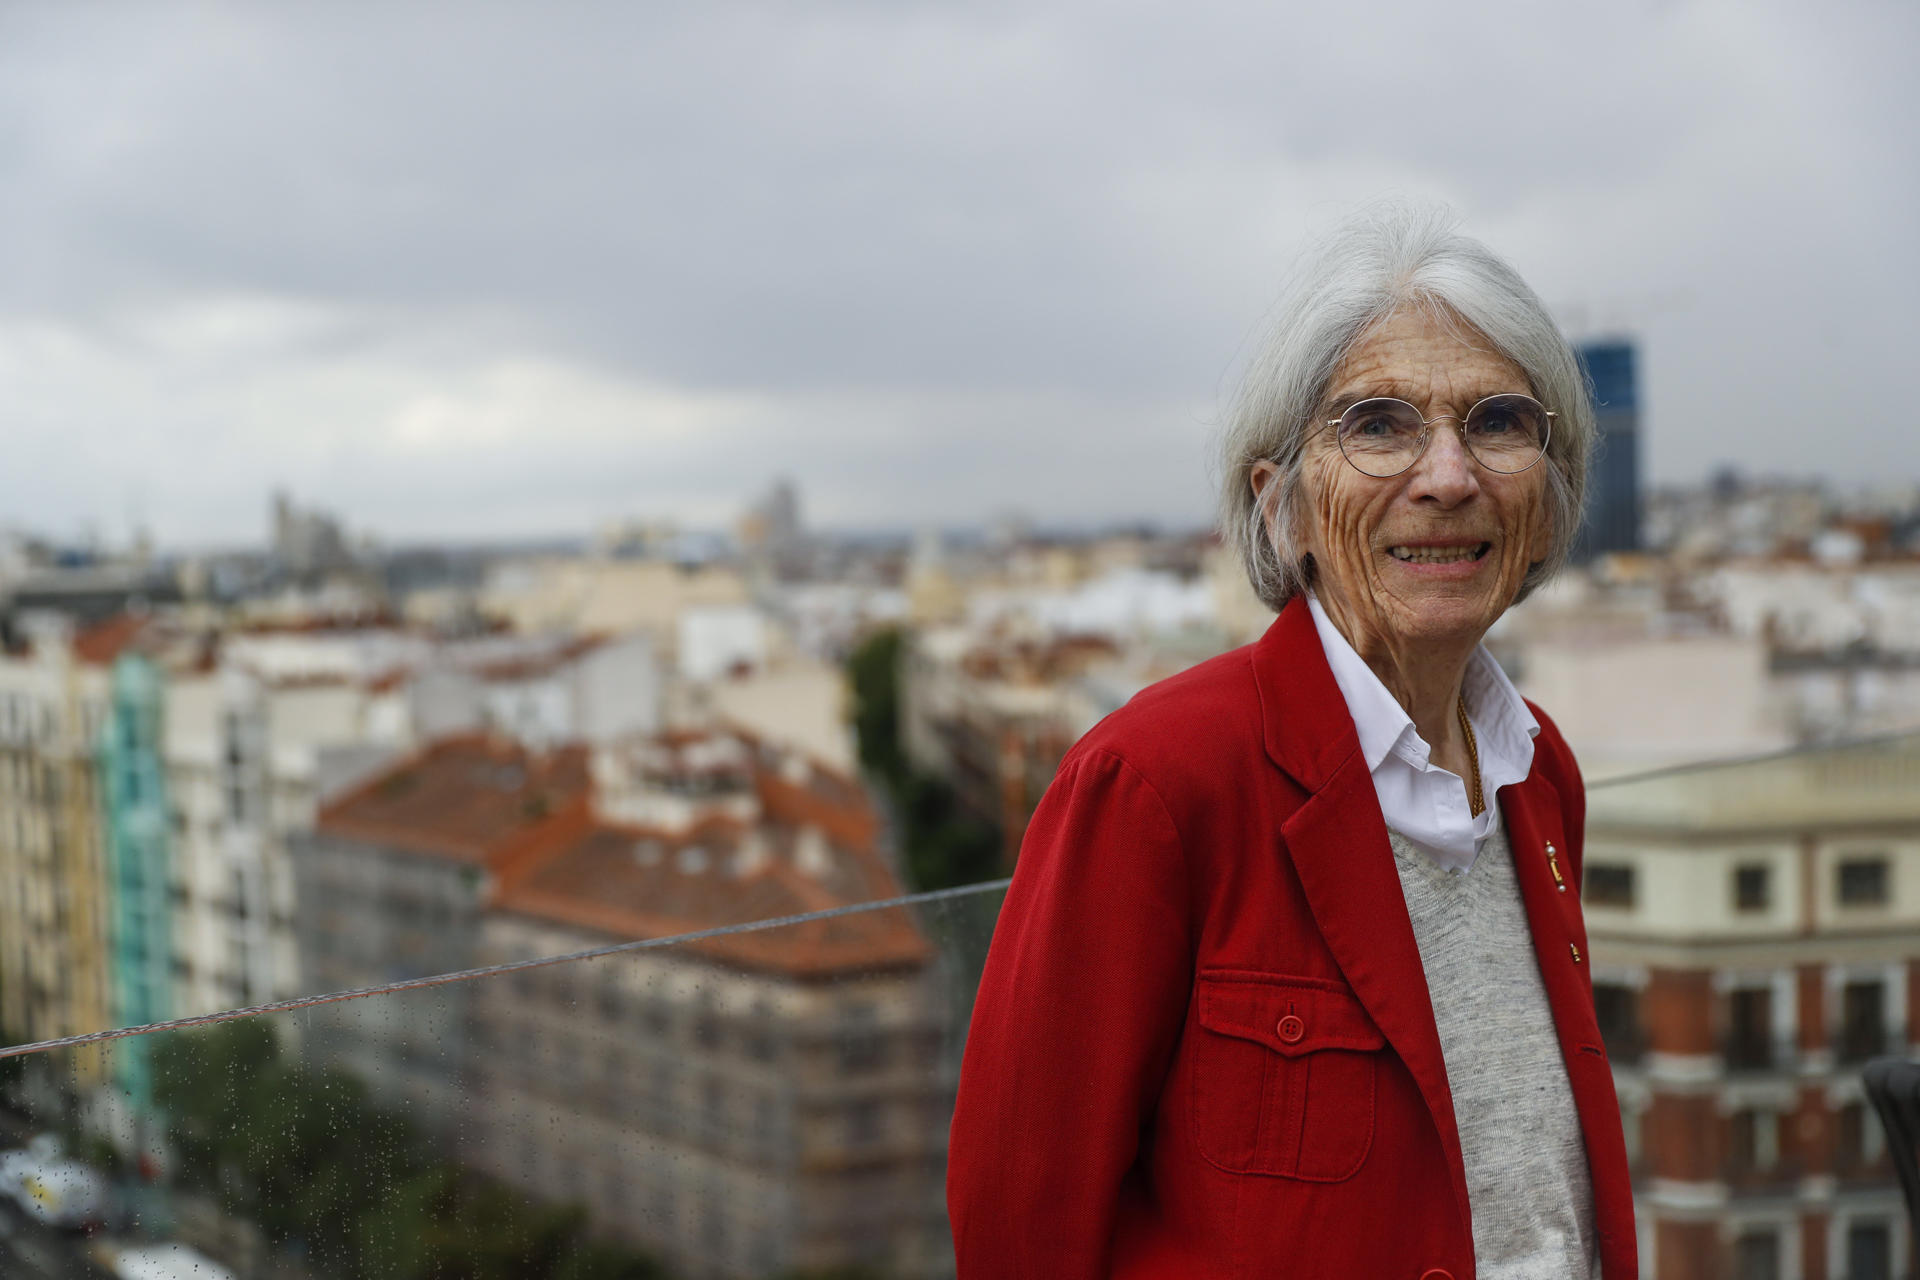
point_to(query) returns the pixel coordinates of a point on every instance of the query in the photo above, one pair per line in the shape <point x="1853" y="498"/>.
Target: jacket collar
<point x="1305" y="724"/>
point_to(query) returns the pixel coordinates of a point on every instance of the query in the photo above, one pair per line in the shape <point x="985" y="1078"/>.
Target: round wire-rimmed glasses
<point x="1382" y="436"/>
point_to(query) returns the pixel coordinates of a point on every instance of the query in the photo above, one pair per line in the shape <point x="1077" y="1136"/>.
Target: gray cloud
<point x="931" y="259"/>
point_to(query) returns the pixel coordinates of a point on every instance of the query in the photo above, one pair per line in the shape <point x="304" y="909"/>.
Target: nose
<point x="1445" y="471"/>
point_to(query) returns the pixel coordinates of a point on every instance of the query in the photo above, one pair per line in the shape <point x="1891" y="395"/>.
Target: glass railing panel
<point x="758" y="1099"/>
<point x="763" y="1102"/>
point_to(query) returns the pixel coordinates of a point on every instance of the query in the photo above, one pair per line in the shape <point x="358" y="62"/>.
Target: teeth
<point x="1434" y="555"/>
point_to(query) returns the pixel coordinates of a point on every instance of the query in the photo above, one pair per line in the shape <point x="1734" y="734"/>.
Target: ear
<point x="1262" y="474"/>
<point x="1541" y="544"/>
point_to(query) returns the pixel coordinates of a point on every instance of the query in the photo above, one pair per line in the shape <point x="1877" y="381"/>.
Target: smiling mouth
<point x="1439" y="555"/>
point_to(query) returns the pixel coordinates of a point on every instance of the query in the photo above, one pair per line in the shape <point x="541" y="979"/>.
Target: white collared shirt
<point x="1420" y="800"/>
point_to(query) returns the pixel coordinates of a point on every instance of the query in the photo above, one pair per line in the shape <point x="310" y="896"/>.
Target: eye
<point x="1380" y="422"/>
<point x="1498" y="422"/>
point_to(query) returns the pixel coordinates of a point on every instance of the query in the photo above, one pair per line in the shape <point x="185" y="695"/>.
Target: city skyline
<point x="516" y="275"/>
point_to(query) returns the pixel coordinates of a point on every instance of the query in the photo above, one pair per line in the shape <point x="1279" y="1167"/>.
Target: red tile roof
<point x="627" y="883"/>
<point x="473" y="797"/>
<point x="102" y="642"/>
<point x="528" y="818"/>
<point x="526" y="667"/>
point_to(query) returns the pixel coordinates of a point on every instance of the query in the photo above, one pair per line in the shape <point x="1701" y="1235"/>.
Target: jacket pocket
<point x="1283" y="1076"/>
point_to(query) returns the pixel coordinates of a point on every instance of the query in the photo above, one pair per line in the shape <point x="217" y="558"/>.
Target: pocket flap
<point x="1286" y="1014"/>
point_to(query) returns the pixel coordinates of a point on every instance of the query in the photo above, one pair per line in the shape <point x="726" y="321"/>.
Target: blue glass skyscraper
<point x="1613" y="483"/>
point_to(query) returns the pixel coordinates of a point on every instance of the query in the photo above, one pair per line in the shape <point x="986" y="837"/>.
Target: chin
<point x="1444" y="617"/>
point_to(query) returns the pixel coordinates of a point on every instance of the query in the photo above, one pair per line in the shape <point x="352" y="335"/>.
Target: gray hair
<point x="1385" y="258"/>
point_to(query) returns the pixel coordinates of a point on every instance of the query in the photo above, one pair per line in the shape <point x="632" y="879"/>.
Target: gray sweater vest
<point x="1527" y="1178"/>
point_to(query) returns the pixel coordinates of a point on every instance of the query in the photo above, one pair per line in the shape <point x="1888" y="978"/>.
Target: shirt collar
<point x="1502" y="725"/>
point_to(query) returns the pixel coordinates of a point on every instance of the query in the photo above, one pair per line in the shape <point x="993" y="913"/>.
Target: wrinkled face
<point x="1439" y="550"/>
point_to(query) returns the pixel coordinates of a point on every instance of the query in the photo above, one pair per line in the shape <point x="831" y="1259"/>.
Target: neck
<point x="1425" y="676"/>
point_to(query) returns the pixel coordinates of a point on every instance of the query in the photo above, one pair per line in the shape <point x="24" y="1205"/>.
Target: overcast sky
<point x="489" y="271"/>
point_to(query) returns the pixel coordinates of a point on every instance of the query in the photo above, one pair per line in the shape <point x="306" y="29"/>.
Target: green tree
<point x="873" y="672"/>
<point x="311" y="1158"/>
<point x="941" y="844"/>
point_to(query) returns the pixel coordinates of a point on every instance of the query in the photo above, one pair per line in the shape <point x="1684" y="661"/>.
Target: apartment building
<point x="993" y="709"/>
<point x="740" y="1106"/>
<point x="743" y="1106"/>
<point x="137" y="821"/>
<point x="392" y="881"/>
<point x="993" y="716"/>
<point x="1756" y="940"/>
<point x="248" y="758"/>
<point x="258" y="741"/>
<point x="54" y="971"/>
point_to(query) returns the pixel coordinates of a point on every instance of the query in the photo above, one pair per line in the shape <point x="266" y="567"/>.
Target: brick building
<point x="1756" y="938"/>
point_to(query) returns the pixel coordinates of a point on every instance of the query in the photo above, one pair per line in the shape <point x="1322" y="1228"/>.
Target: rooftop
<point x="631" y="882"/>
<point x="473" y="797"/>
<point x="1861" y="784"/>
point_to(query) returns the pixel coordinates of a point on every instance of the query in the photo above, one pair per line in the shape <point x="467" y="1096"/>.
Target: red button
<point x="1291" y="1028"/>
<point x="1436" y="1273"/>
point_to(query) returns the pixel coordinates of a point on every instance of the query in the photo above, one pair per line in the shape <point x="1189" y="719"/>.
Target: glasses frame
<point x="1426" y="433"/>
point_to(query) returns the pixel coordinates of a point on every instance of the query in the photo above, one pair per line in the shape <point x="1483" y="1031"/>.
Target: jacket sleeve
<point x="1082" y="1001"/>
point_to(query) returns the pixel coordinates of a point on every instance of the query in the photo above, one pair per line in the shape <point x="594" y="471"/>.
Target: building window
<point x="1754" y="1140"/>
<point x="714" y="1108"/>
<point x="1749" y="1044"/>
<point x="706" y="1023"/>
<point x="863" y="1122"/>
<point x="1750" y="888"/>
<point x="1863" y="1026"/>
<point x="1863" y="882"/>
<point x="653" y="1017"/>
<point x="766" y="1122"/>
<point x="759" y="1032"/>
<point x="1756" y="1255"/>
<point x="1618" y="1008"/>
<point x="861" y="1045"/>
<point x="666" y="1114"/>
<point x="1869" y="1251"/>
<point x="1859" y="1142"/>
<point x="1609" y="884"/>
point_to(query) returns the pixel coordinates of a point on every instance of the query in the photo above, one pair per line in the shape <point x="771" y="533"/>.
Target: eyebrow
<point x="1395" y="391"/>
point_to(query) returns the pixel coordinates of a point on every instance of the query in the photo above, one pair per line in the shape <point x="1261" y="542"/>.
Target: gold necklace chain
<point x="1474" y="796"/>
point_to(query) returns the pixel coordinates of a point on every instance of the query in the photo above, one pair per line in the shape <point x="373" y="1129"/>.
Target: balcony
<point x="1757" y="1053"/>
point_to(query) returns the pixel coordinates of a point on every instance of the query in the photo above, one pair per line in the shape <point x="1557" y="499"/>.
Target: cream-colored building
<point x="1755" y="931"/>
<point x="584" y="595"/>
<point x="248" y="760"/>
<point x="54" y="976"/>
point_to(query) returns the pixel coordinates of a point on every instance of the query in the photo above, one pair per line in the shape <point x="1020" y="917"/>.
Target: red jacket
<point x="1209" y="860"/>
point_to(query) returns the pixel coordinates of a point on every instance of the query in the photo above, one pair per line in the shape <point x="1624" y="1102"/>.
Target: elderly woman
<point x="1292" y="977"/>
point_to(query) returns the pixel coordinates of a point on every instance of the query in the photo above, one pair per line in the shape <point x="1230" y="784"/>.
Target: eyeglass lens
<point x="1505" y="433"/>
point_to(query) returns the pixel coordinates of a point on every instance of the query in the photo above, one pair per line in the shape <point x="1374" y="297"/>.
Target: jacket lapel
<point x="1532" y="814"/>
<point x="1337" y="841"/>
